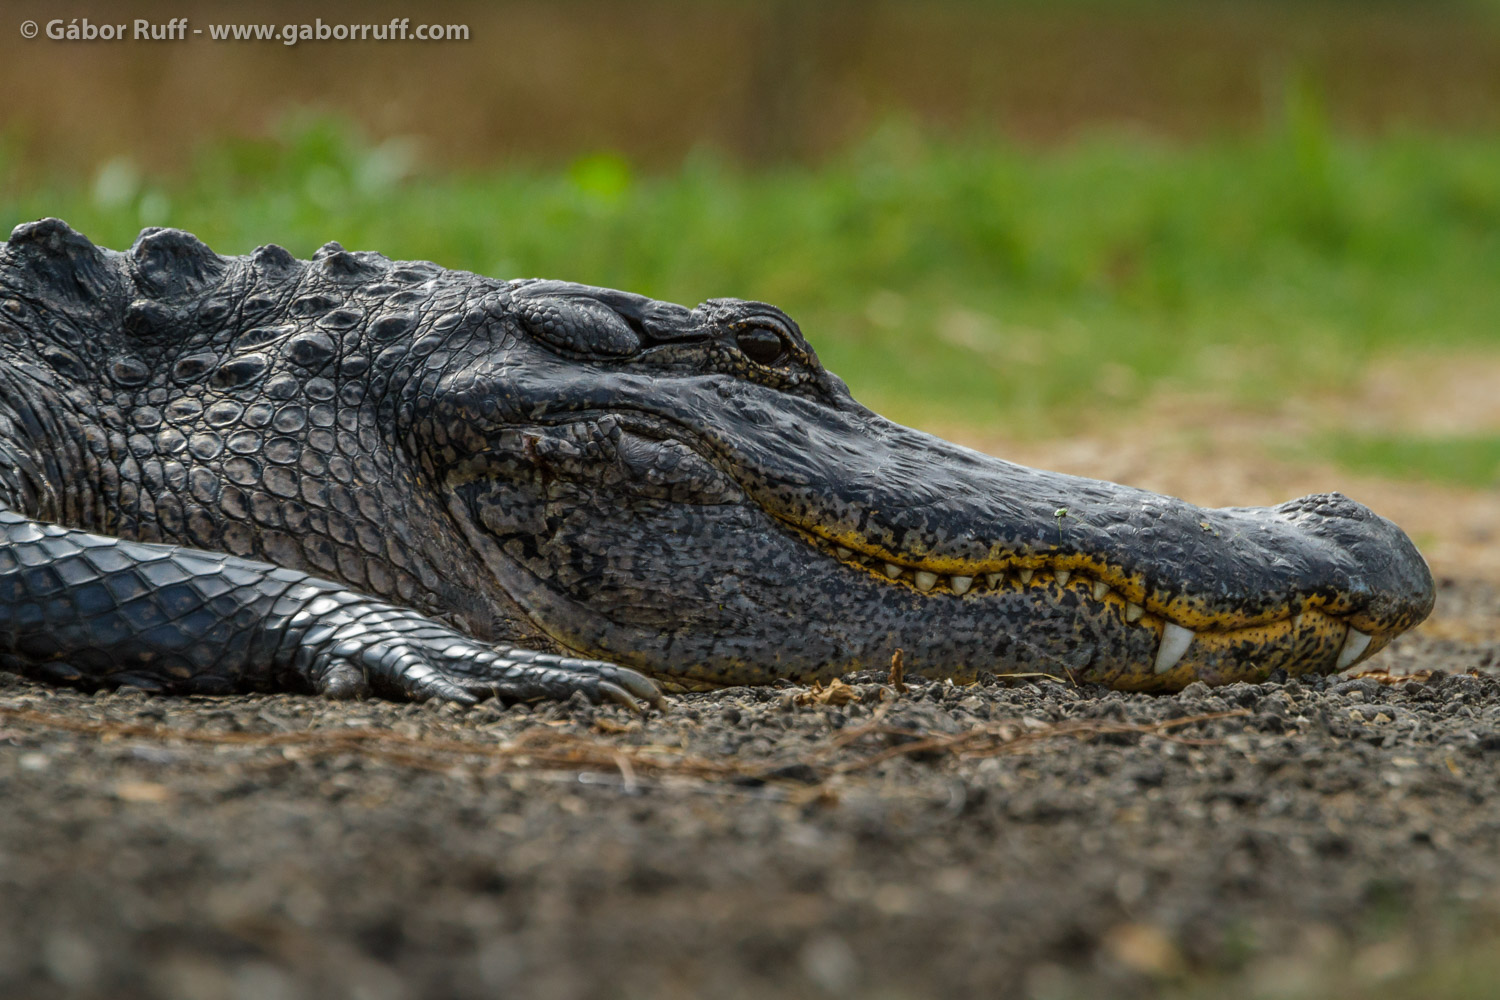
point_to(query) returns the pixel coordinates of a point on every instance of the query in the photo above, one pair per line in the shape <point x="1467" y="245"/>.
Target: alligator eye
<point x="764" y="347"/>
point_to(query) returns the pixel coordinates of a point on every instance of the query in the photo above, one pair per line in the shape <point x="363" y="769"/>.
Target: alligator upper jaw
<point x="1321" y="580"/>
<point x="1202" y="569"/>
<point x="899" y="496"/>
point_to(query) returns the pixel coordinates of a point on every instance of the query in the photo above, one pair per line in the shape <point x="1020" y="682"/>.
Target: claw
<point x="457" y="695"/>
<point x="609" y="681"/>
<point x="642" y="687"/>
<point x="615" y="693"/>
<point x="423" y="682"/>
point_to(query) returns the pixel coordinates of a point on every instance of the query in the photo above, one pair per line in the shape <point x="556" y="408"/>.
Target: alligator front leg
<point x="93" y="610"/>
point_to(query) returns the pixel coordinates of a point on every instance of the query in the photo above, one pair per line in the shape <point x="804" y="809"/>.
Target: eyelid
<point x="766" y="323"/>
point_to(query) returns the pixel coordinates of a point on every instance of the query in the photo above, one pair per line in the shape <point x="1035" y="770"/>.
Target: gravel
<point x="1009" y="839"/>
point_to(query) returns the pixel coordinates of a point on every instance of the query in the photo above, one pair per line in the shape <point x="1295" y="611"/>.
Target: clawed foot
<point x="399" y="650"/>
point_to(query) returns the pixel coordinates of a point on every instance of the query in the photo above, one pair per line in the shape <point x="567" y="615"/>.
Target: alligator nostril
<point x="1328" y="505"/>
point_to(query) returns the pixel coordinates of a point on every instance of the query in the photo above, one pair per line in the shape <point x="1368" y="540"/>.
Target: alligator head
<point x="690" y="492"/>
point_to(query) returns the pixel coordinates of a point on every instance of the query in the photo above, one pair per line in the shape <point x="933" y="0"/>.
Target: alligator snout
<point x="1381" y="581"/>
<point x="1096" y="580"/>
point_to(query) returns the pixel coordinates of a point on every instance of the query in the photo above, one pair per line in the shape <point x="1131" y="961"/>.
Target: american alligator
<point x="353" y="474"/>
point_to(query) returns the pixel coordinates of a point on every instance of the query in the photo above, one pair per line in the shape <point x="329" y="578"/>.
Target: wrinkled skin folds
<point x="352" y="474"/>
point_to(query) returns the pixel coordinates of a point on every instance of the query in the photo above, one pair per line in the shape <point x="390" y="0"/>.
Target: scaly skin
<point x="347" y="474"/>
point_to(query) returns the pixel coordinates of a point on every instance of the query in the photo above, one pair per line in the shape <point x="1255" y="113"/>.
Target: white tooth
<point x="1024" y="575"/>
<point x="843" y="552"/>
<point x="1355" y="643"/>
<point x="1062" y="576"/>
<point x="1133" y="612"/>
<point x="993" y="579"/>
<point x="961" y="584"/>
<point x="926" y="580"/>
<point x="1100" y="589"/>
<point x="1175" y="641"/>
<point x="1297" y="622"/>
<point x="892" y="570"/>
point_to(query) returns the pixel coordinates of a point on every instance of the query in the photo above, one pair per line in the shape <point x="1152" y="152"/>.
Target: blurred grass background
<point x="1025" y="216"/>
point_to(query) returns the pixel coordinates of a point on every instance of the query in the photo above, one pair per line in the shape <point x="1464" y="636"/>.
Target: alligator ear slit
<point x="636" y="326"/>
<point x="575" y="323"/>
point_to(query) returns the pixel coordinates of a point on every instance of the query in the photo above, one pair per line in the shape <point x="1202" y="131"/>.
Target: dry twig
<point x="898" y="672"/>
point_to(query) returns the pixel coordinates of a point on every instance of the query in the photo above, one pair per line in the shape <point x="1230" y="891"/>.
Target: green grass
<point x="946" y="281"/>
<point x="1472" y="461"/>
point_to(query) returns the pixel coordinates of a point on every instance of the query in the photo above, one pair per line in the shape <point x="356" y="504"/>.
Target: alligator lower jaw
<point x="1219" y="650"/>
